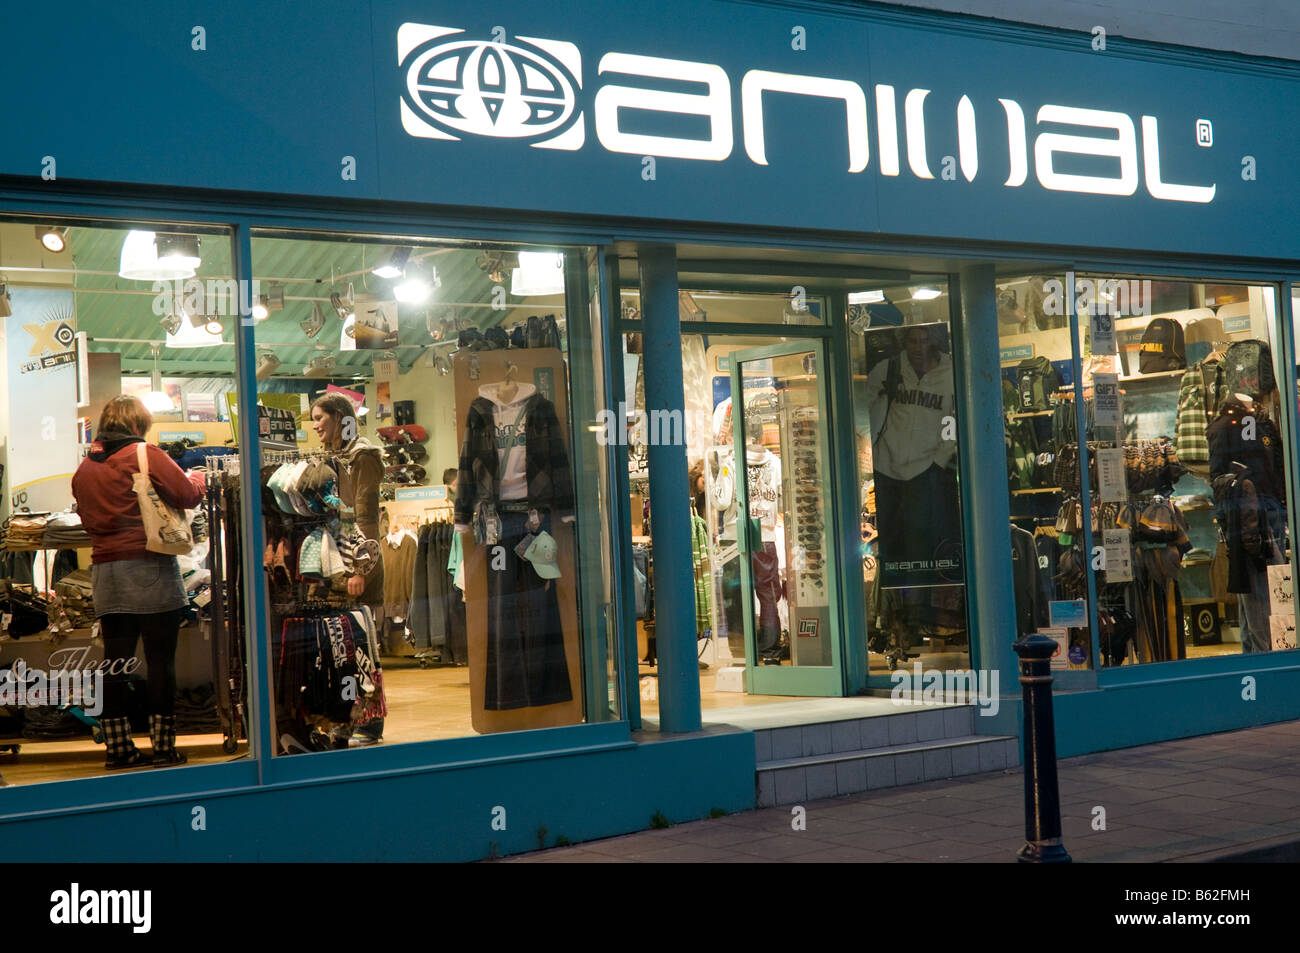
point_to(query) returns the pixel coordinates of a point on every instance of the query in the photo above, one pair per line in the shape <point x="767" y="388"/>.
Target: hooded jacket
<point x="360" y="470"/>
<point x="546" y="464"/>
<point x="106" y="501"/>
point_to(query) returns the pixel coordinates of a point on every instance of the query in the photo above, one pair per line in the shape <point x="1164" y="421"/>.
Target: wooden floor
<point x="423" y="705"/>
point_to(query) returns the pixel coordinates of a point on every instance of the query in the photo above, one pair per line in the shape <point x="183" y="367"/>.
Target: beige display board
<point x="543" y="367"/>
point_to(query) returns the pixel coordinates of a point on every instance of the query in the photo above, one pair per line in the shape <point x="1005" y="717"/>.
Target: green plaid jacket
<point x="1202" y="391"/>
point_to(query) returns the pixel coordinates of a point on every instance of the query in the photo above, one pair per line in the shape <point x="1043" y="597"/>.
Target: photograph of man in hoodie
<point x="914" y="449"/>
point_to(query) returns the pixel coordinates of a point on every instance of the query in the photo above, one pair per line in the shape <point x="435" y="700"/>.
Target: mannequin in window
<point x="1247" y="474"/>
<point x="512" y="482"/>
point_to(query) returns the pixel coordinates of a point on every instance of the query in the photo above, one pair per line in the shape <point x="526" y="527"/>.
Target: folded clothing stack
<point x="78" y="598"/>
<point x="25" y="532"/>
<point x="64" y="531"/>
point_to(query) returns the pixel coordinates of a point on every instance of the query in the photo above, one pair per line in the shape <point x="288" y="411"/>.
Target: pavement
<point x="1230" y="796"/>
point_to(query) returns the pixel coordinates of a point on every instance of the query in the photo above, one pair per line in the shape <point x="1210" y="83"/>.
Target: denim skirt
<point x="138" y="586"/>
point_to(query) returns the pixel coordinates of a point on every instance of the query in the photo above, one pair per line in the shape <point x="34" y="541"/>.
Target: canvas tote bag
<point x="165" y="528"/>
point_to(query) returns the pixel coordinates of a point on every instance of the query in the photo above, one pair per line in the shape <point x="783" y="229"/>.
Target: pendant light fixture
<point x="539" y="273"/>
<point x="157" y="401"/>
<point x="140" y="261"/>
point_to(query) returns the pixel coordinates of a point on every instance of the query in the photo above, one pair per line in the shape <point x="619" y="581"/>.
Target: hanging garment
<point x="703" y="580"/>
<point x="1200" y="396"/>
<point x="420" y="608"/>
<point x="489" y="470"/>
<point x="526" y="664"/>
<point x="398" y="552"/>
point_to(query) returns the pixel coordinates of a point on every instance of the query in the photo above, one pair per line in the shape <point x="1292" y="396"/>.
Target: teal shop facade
<point x="824" y="133"/>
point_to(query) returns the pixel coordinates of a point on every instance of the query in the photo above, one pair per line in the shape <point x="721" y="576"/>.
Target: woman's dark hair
<point x="336" y="405"/>
<point x="125" y="414"/>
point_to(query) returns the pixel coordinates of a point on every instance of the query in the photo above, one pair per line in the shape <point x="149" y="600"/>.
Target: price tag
<point x="1110" y="475"/>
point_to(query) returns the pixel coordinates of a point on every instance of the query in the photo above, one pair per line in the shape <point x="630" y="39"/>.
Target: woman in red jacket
<point x="138" y="594"/>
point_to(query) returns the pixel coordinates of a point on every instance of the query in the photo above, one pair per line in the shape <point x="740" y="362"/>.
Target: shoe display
<point x="360" y="740"/>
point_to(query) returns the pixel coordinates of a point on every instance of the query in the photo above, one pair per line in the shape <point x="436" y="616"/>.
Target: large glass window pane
<point x="1047" y="523"/>
<point x="433" y="505"/>
<point x="1198" y="483"/>
<point x="118" y="346"/>
<point x="905" y="414"/>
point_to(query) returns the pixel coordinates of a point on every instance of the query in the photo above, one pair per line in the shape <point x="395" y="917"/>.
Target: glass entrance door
<point x="788" y="572"/>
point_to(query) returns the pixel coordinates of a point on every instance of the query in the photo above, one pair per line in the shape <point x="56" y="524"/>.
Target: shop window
<point x="905" y="414"/>
<point x="1048" y="536"/>
<point x="435" y="506"/>
<point x="1186" y="467"/>
<point x="118" y="345"/>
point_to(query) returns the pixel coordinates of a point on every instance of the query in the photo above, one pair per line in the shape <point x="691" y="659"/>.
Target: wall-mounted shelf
<point x="1045" y="489"/>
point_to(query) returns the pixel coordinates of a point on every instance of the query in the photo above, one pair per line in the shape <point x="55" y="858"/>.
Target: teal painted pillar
<point x="670" y="513"/>
<point x="986" y="506"/>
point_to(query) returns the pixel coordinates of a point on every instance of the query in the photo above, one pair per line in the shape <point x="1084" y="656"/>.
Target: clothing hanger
<point x="509" y="388"/>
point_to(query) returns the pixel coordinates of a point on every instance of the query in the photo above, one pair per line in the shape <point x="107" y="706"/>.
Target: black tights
<point x="158" y="631"/>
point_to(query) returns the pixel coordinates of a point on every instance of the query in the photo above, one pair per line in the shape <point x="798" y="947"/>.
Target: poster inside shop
<point x="1102" y="328"/>
<point x="910" y="404"/>
<point x="1105" y="400"/>
<point x="41" y="452"/>
<point x="1119" y="555"/>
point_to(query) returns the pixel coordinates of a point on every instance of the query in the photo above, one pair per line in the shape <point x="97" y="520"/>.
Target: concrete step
<point x="857" y="734"/>
<point x="810" y="777"/>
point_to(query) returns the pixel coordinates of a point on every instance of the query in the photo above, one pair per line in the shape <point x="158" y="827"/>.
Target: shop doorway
<point x="760" y="398"/>
<point x="787" y="568"/>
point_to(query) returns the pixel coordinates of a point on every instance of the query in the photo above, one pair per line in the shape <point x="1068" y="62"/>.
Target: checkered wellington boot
<point x="162" y="731"/>
<point x="122" y="752"/>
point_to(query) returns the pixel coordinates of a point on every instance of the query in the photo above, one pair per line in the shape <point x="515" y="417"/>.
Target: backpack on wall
<point x="1036" y="381"/>
<point x="1163" y="347"/>
<point x="1248" y="369"/>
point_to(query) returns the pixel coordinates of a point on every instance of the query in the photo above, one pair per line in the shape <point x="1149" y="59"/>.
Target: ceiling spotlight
<point x="54" y="239"/>
<point x="6" y="304"/>
<point x="274" y="296"/>
<point x="178" y="251"/>
<point x="320" y="365"/>
<point x="262" y="309"/>
<point x="393" y="264"/>
<point x="496" y="265"/>
<point x="171" y="323"/>
<point x="345" y="307"/>
<point x="311" y="326"/>
<point x="866" y="297"/>
<point x="214" y="325"/>
<point x="416" y="287"/>
<point x="267" y="362"/>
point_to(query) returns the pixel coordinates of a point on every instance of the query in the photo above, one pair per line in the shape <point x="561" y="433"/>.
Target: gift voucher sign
<point x="1105" y="399"/>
